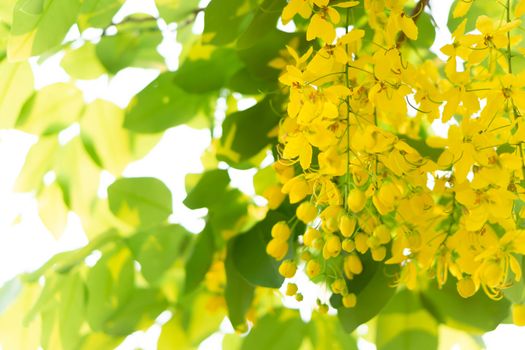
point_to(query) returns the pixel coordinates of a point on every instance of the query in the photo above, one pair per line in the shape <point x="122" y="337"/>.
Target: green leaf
<point x="373" y="289"/>
<point x="219" y="67"/>
<point x="140" y="201"/>
<point x="209" y="189"/>
<point x="279" y="330"/>
<point x="250" y="257"/>
<point x="16" y="86"/>
<point x="14" y="332"/>
<point x="110" y="283"/>
<point x="39" y="161"/>
<point x="40" y="25"/>
<point x="52" y="210"/>
<point x="260" y="52"/>
<point x="177" y="10"/>
<point x="264" y="21"/>
<point x="130" y="48"/>
<point x="51" y="109"/>
<point x="71" y="310"/>
<point x="83" y="63"/>
<point x="158" y="249"/>
<point x="200" y="260"/>
<point x="191" y="323"/>
<point x="236" y="13"/>
<point x="6" y="10"/>
<point x="98" y="13"/>
<point x="238" y="293"/>
<point x="162" y="104"/>
<point x="477" y="314"/>
<point x="240" y="140"/>
<point x="109" y="144"/>
<point x="326" y="333"/>
<point x="405" y="324"/>
<point x="77" y="176"/>
<point x="138" y="312"/>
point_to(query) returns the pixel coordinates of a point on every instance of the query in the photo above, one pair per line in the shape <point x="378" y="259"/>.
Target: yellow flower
<point x="356" y="200"/>
<point x="347" y="225"/>
<point x="277" y="248"/>
<point x="313" y="268"/>
<point x="281" y="231"/>
<point x="306" y="212"/>
<point x="291" y="289"/>
<point x="466" y="287"/>
<point x="287" y="269"/>
<point x="349" y="300"/>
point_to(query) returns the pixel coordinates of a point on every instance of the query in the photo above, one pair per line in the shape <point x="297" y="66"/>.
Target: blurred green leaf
<point x="476" y="314"/>
<point x="110" y="283"/>
<point x="40" y="25"/>
<point x="130" y="48"/>
<point x="98" y="13"/>
<point x="16" y="86"/>
<point x="279" y="330"/>
<point x="209" y="189"/>
<point x="83" y="63"/>
<point x="71" y="310"/>
<point x="177" y="10"/>
<point x="218" y="67"/>
<point x="238" y="293"/>
<point x="240" y="140"/>
<point x="38" y="162"/>
<point x="51" y="109"/>
<point x="200" y="260"/>
<point x="158" y="249"/>
<point x="373" y="289"/>
<point x="140" y="201"/>
<point x="162" y="104"/>
<point x="326" y="333"/>
<point x="405" y="324"/>
<point x="236" y="13"/>
<point x="250" y="257"/>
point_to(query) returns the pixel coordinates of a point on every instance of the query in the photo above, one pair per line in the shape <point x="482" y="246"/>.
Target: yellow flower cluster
<point x="346" y="158"/>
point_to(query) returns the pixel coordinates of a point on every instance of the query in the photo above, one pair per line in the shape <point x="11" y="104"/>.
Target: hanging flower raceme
<point x="363" y="187"/>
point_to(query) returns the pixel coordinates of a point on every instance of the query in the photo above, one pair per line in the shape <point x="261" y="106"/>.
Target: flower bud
<point x="281" y="230"/>
<point x="277" y="248"/>
<point x="306" y="212"/>
<point x="466" y="287"/>
<point x="347" y="225"/>
<point x="356" y="200"/>
<point x="349" y="300"/>
<point x="287" y="269"/>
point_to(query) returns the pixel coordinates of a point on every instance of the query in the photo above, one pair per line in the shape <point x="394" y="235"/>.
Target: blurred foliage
<point x="139" y="268"/>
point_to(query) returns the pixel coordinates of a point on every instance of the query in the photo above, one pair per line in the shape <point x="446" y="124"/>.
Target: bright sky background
<point x="25" y="244"/>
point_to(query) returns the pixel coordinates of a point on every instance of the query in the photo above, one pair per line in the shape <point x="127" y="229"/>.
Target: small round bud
<point x="313" y="268"/>
<point x="466" y="287"/>
<point x="349" y="300"/>
<point x="281" y="230"/>
<point x="277" y="248"/>
<point x="306" y="212"/>
<point x="287" y="269"/>
<point x="347" y="225"/>
<point x="356" y="200"/>
<point x="291" y="289"/>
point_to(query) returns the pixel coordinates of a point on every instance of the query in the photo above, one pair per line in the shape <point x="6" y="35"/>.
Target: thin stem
<point x="509" y="63"/>
<point x="347" y="177"/>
